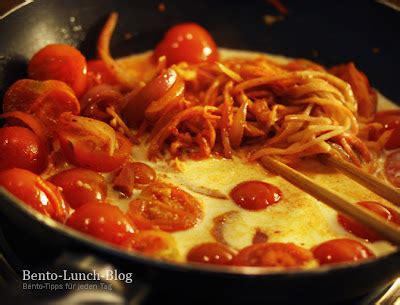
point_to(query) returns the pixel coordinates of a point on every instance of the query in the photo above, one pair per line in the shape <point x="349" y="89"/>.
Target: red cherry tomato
<point x="187" y="42"/>
<point x="255" y="195"/>
<point x="273" y="255"/>
<point x="341" y="251"/>
<point x="103" y="221"/>
<point x="211" y="253"/>
<point x="35" y="192"/>
<point x="392" y="168"/>
<point x="166" y="207"/>
<point x="133" y="174"/>
<point x="46" y="100"/>
<point x="80" y="186"/>
<point x="360" y="230"/>
<point x="390" y="119"/>
<point x="20" y="147"/>
<point x="60" y="62"/>
<point x="150" y="242"/>
<point x="98" y="73"/>
<point x="92" y="144"/>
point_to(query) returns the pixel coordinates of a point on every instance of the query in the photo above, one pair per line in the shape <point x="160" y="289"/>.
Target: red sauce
<point x="255" y="195"/>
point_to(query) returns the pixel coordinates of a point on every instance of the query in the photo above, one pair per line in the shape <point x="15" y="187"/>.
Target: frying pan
<point x="328" y="32"/>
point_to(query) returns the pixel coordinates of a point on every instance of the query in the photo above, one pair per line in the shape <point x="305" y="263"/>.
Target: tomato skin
<point x="150" y="242"/>
<point x="273" y="255"/>
<point x="45" y="100"/>
<point x="103" y="221"/>
<point x="60" y="62"/>
<point x="165" y="207"/>
<point x="362" y="231"/>
<point x="211" y="253"/>
<point x="20" y="147"/>
<point x="80" y="185"/>
<point x="255" y="195"/>
<point x="341" y="251"/>
<point x="390" y="119"/>
<point x="98" y="73"/>
<point x="187" y="42"/>
<point x="35" y="192"/>
<point x="392" y="168"/>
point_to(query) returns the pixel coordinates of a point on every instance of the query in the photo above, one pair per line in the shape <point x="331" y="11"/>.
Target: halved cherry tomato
<point x="60" y="62"/>
<point x="273" y="255"/>
<point x="362" y="231"/>
<point x="35" y="192"/>
<point x="131" y="174"/>
<point x="255" y="195"/>
<point x="166" y="207"/>
<point x="92" y="144"/>
<point x="151" y="242"/>
<point x="103" y="221"/>
<point x="392" y="168"/>
<point x="20" y="147"/>
<point x="187" y="42"/>
<point x="341" y="251"/>
<point x="46" y="100"/>
<point x="211" y="253"/>
<point x="80" y="185"/>
<point x="98" y="73"/>
<point x="136" y="105"/>
<point x="390" y="119"/>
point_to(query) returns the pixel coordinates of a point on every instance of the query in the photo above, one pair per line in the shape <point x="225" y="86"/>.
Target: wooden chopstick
<point x="374" y="184"/>
<point x="334" y="199"/>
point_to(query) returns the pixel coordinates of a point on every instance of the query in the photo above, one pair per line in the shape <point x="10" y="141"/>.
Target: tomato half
<point x="362" y="231"/>
<point x="92" y="144"/>
<point x="46" y="100"/>
<point x="60" y="62"/>
<point x="187" y="42"/>
<point x="211" y="253"/>
<point x="390" y="119"/>
<point x="80" y="185"/>
<point x="255" y="195"/>
<point x="133" y="174"/>
<point x="151" y="242"/>
<point x="103" y="221"/>
<point x="273" y="255"/>
<point x="98" y="73"/>
<point x="35" y="192"/>
<point x="20" y="147"/>
<point x="392" y="168"/>
<point x="341" y="251"/>
<point x="166" y="207"/>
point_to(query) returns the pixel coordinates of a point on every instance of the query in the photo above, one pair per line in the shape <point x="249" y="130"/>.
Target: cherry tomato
<point x="35" y="192"/>
<point x="103" y="221"/>
<point x="136" y="106"/>
<point x="392" y="168"/>
<point x="360" y="230"/>
<point x="80" y="186"/>
<point x="166" y="207"/>
<point x="98" y="73"/>
<point x="340" y="251"/>
<point x="255" y="195"/>
<point x="151" y="242"/>
<point x="20" y="147"/>
<point x="390" y="119"/>
<point x="46" y="100"/>
<point x="131" y="174"/>
<point x="187" y="42"/>
<point x="92" y="144"/>
<point x="273" y="255"/>
<point x="60" y="62"/>
<point x="211" y="253"/>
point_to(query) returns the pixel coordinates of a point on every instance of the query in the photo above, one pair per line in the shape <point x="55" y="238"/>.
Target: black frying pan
<point x="329" y="32"/>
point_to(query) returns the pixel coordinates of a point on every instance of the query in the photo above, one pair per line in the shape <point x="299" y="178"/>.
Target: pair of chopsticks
<point x="338" y="201"/>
